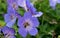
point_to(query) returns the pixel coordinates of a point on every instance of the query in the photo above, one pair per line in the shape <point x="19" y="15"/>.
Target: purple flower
<point x="13" y="3"/>
<point x="10" y="17"/>
<point x="22" y="3"/>
<point x="53" y="3"/>
<point x="58" y="1"/>
<point x="27" y="24"/>
<point x="37" y="14"/>
<point x="32" y="9"/>
<point x="29" y="7"/>
<point x="7" y="32"/>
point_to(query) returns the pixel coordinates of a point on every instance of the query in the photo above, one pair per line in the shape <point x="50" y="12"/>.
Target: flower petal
<point x="53" y="3"/>
<point x="11" y="23"/>
<point x="30" y="7"/>
<point x="22" y="32"/>
<point x="20" y="22"/>
<point x="11" y="1"/>
<point x="35" y="22"/>
<point x="21" y="3"/>
<point x="27" y="15"/>
<point x="10" y="10"/>
<point x="58" y="1"/>
<point x="5" y="18"/>
<point x="33" y="31"/>
<point x="38" y="14"/>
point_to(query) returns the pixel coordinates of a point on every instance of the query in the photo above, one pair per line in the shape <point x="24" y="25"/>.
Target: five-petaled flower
<point x="28" y="24"/>
<point x="10" y="17"/>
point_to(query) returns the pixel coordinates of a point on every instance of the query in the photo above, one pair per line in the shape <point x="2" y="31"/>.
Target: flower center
<point x="7" y="35"/>
<point x="14" y="5"/>
<point x="12" y="17"/>
<point x="26" y="24"/>
<point x="4" y="36"/>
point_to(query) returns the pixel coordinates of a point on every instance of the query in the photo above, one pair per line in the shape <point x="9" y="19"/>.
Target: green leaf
<point x="2" y="23"/>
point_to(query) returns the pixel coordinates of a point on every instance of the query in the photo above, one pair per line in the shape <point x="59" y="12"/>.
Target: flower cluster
<point x="27" y="23"/>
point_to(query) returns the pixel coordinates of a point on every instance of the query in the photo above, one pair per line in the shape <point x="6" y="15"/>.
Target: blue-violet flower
<point x="29" y="7"/>
<point x="7" y="32"/>
<point x="27" y="24"/>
